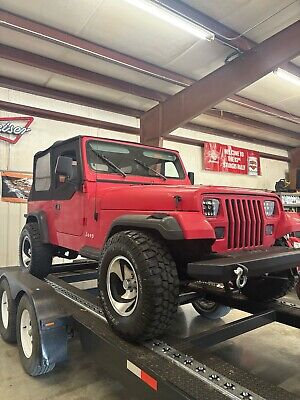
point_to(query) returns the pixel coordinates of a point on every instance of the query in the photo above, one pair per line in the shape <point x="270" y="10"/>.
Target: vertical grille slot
<point x="245" y="223"/>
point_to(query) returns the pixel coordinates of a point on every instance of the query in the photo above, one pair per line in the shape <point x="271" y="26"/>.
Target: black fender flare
<point x="51" y="316"/>
<point x="166" y="225"/>
<point x="41" y="218"/>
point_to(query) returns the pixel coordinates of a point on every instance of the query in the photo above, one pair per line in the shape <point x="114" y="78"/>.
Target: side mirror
<point x="64" y="166"/>
<point x="191" y="176"/>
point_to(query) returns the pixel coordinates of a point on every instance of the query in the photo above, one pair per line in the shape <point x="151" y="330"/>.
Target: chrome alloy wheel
<point x="4" y="310"/>
<point x="26" y="252"/>
<point x="122" y="286"/>
<point x="26" y="333"/>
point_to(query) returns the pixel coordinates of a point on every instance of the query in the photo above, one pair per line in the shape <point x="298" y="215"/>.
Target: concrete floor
<point x="272" y="352"/>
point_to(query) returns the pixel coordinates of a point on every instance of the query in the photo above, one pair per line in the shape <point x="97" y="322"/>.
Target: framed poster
<point x="15" y="186"/>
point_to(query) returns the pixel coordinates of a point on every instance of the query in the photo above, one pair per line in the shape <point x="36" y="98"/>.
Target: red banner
<point x="225" y="158"/>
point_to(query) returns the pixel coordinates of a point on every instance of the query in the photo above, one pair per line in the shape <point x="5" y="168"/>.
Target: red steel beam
<point x="232" y="135"/>
<point x="70" y="118"/>
<point x="68" y="97"/>
<point x="75" y="43"/>
<point x="90" y="122"/>
<point x="263" y="108"/>
<point x="217" y="86"/>
<point x="200" y="143"/>
<point x="248" y="122"/>
<point x="58" y="67"/>
<point x="98" y="104"/>
<point x="70" y="41"/>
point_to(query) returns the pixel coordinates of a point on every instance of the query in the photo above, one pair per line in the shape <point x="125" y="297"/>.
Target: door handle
<point x="57" y="206"/>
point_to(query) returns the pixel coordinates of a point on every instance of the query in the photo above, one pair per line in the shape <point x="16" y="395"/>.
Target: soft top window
<point x="126" y="159"/>
<point x="42" y="173"/>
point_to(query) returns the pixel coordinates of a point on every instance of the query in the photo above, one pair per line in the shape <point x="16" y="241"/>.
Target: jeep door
<point x="68" y="199"/>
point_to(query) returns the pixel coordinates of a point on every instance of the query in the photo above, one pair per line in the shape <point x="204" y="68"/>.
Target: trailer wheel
<point x="35" y="256"/>
<point x="210" y="309"/>
<point x="8" y="313"/>
<point x="28" y="339"/>
<point x="138" y="285"/>
<point x="271" y="287"/>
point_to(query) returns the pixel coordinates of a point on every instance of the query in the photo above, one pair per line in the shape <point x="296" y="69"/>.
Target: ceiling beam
<point x="263" y="108"/>
<point x="102" y="105"/>
<point x="68" y="97"/>
<point x="252" y="124"/>
<point x="59" y="37"/>
<point x="217" y="86"/>
<point x="200" y="143"/>
<point x="232" y="135"/>
<point x="67" y="40"/>
<point x="58" y="67"/>
<point x="95" y="123"/>
<point x="69" y="118"/>
<point x="224" y="34"/>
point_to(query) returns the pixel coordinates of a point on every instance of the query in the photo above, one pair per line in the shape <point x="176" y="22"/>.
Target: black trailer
<point x="43" y="315"/>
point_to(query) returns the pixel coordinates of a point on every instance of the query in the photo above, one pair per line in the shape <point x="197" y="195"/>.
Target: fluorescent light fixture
<point x="172" y="18"/>
<point x="287" y="76"/>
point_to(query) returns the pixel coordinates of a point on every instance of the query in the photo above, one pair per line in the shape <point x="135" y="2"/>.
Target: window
<point x="42" y="173"/>
<point x="104" y="157"/>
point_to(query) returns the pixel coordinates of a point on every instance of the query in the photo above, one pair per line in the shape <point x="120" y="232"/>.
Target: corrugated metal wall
<point x="44" y="132"/>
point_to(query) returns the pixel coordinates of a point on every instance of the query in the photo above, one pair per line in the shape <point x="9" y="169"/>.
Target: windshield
<point x="105" y="157"/>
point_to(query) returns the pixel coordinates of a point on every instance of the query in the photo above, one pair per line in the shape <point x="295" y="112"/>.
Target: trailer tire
<point x="210" y="309"/>
<point x="35" y="256"/>
<point x="148" y="275"/>
<point x="8" y="313"/>
<point x="29" y="341"/>
<point x="264" y="289"/>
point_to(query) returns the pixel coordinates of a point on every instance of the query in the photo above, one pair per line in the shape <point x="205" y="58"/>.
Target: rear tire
<point x="210" y="309"/>
<point x="264" y="289"/>
<point x="8" y="313"/>
<point x="28" y="339"/>
<point x="138" y="285"/>
<point x="35" y="256"/>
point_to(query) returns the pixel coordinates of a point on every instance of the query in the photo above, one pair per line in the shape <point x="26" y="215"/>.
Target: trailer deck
<point x="171" y="367"/>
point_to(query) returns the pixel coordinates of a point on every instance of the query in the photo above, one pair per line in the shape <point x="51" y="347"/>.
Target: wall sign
<point x="225" y="158"/>
<point x="15" y="186"/>
<point x="13" y="128"/>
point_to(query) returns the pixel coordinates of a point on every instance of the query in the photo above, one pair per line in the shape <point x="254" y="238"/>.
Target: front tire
<point x="8" y="313"/>
<point x="138" y="285"/>
<point x="29" y="341"/>
<point x="35" y="256"/>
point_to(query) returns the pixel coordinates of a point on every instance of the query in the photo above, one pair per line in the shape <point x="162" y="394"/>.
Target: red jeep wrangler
<point x="134" y="209"/>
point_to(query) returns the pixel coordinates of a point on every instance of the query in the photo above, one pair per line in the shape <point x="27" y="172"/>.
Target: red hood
<point x="162" y="197"/>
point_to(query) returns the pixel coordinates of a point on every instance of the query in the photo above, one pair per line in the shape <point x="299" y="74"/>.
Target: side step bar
<point x="255" y="263"/>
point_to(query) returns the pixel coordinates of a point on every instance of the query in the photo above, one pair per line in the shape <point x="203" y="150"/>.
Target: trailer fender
<point x="51" y="317"/>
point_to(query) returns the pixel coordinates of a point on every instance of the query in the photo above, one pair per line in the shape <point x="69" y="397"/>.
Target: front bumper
<point x="221" y="268"/>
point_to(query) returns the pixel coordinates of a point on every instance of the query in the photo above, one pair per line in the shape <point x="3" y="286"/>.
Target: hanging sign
<point x="13" y="128"/>
<point x="225" y="158"/>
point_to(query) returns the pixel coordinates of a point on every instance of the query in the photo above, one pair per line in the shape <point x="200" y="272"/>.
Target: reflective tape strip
<point x="142" y="375"/>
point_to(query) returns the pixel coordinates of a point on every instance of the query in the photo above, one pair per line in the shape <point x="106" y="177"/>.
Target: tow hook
<point x="242" y="276"/>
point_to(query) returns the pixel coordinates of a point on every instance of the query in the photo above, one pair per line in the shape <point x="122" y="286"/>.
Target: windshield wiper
<point x="150" y="169"/>
<point x="108" y="162"/>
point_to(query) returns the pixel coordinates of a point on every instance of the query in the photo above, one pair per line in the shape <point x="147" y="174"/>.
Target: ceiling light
<point x="172" y="18"/>
<point x="287" y="76"/>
